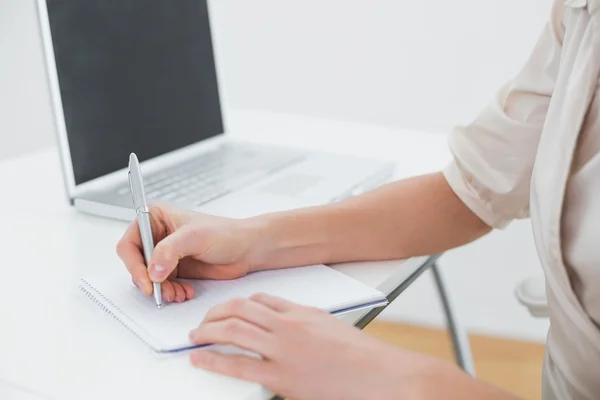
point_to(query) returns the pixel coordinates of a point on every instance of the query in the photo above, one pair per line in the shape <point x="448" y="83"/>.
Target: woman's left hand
<point x="306" y="353"/>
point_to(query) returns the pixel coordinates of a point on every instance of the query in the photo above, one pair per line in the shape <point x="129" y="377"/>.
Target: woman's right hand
<point x="189" y="245"/>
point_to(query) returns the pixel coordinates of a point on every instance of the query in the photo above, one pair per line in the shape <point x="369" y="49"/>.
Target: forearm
<point x="417" y="216"/>
<point x="445" y="381"/>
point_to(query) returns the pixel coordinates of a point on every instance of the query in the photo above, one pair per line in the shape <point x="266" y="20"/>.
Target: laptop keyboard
<point x="212" y="175"/>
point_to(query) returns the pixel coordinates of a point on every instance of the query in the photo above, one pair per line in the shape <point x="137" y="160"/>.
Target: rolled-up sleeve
<point x="493" y="156"/>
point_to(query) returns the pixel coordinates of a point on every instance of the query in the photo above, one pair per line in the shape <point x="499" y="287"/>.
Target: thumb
<point x="170" y="250"/>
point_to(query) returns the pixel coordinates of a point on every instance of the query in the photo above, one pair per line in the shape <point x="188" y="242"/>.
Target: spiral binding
<point x="90" y="292"/>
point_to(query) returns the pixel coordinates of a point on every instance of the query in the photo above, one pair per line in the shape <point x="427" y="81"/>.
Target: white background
<point x="412" y="64"/>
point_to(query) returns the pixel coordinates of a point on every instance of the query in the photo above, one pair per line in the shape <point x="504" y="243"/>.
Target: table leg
<point x="370" y="316"/>
<point x="460" y="339"/>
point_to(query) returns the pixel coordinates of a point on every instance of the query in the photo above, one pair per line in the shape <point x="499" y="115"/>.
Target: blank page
<point x="167" y="329"/>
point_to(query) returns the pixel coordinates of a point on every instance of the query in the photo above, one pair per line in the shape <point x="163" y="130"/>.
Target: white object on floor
<point x="532" y="294"/>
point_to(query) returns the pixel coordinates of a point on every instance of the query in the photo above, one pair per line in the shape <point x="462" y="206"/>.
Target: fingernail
<point x="157" y="271"/>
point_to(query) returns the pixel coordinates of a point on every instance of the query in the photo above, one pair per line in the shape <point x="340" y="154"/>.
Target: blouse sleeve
<point x="493" y="156"/>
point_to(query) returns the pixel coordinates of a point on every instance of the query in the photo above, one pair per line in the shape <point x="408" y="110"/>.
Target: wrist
<point x="410" y="383"/>
<point x="435" y="379"/>
<point x="291" y="238"/>
<point x="257" y="233"/>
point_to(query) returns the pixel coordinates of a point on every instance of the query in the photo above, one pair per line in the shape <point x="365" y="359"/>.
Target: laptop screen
<point x="134" y="76"/>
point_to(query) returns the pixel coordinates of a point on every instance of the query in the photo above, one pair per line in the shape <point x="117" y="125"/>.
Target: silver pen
<point x="136" y="185"/>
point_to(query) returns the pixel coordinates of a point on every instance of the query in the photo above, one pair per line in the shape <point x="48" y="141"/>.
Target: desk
<point x="54" y="343"/>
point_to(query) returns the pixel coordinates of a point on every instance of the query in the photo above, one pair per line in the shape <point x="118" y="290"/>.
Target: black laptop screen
<point x="134" y="76"/>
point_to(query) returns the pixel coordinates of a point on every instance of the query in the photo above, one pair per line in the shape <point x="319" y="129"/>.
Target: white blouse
<point x="535" y="152"/>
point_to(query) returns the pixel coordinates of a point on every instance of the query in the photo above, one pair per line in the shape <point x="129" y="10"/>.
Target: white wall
<point x="25" y="118"/>
<point x="425" y="64"/>
<point x="422" y="64"/>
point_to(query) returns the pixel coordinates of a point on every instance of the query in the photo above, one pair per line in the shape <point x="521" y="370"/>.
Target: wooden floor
<point x="510" y="364"/>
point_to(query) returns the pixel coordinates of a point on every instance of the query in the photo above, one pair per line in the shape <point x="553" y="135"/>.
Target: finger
<point x="234" y="331"/>
<point x="275" y="303"/>
<point x="179" y="292"/>
<point x="168" y="292"/>
<point x="170" y="250"/>
<point x="236" y="366"/>
<point x="193" y="269"/>
<point x="129" y="251"/>
<point x="244" y="309"/>
<point x="189" y="290"/>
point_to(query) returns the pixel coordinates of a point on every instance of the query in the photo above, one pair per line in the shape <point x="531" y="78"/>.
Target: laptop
<point x="140" y="76"/>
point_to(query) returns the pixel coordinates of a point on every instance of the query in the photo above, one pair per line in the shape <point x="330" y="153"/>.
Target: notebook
<point x="166" y="330"/>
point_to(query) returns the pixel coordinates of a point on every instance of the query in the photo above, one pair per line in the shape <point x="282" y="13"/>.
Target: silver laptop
<point x="140" y="76"/>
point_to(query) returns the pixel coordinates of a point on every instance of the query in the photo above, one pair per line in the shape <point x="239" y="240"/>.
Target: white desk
<point x="52" y="342"/>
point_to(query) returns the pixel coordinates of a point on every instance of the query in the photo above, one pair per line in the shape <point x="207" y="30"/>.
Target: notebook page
<point x="168" y="327"/>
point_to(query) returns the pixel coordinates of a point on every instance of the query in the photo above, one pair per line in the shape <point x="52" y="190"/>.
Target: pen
<point x="136" y="186"/>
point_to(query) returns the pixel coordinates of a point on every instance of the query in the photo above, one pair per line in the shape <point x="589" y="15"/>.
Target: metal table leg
<point x="370" y="316"/>
<point x="460" y="339"/>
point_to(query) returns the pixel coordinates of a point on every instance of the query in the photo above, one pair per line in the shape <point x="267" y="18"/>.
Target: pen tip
<point x="159" y="305"/>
